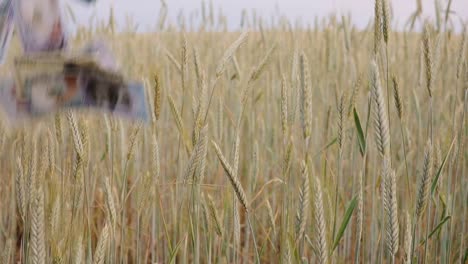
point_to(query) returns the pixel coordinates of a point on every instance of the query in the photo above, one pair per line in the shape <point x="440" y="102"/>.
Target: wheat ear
<point x="391" y="210"/>
<point x="303" y="209"/>
<point x="38" y="251"/>
<point x="157" y="96"/>
<point x="236" y="185"/>
<point x="321" y="248"/>
<point x="306" y="97"/>
<point x="380" y="115"/>
<point x="229" y="53"/>
<point x="428" y="58"/>
<point x="101" y="247"/>
<point x="424" y="181"/>
<point x="214" y="216"/>
<point x="377" y="25"/>
<point x="408" y="239"/>
<point x="385" y="20"/>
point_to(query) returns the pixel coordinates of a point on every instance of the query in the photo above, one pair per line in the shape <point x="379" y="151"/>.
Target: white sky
<point x="145" y="12"/>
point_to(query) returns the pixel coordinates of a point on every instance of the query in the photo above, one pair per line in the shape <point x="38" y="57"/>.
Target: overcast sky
<point x="145" y="12"/>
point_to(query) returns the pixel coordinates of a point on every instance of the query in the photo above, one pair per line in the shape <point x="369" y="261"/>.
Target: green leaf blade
<point x="345" y="222"/>
<point x="360" y="133"/>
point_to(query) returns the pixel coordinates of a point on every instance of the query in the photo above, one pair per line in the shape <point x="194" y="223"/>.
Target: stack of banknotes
<point x="48" y="78"/>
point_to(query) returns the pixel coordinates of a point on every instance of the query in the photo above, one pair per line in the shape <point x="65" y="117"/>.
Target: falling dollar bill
<point x="6" y="27"/>
<point x="51" y="84"/>
<point x="8" y="101"/>
<point x="87" y="1"/>
<point x="40" y="24"/>
<point x="100" y="52"/>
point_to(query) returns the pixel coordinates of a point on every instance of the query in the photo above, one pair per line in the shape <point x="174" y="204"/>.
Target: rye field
<point x="273" y="143"/>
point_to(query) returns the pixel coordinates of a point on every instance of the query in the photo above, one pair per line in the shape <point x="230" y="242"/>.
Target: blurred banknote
<point x="100" y="52"/>
<point x="40" y="24"/>
<point x="6" y="26"/>
<point x="51" y="84"/>
<point x="87" y="1"/>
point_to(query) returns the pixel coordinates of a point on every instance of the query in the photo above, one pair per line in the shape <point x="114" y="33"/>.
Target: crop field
<point x="274" y="143"/>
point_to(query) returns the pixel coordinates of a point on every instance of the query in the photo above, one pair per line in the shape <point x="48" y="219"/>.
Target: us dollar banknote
<point x="6" y="27"/>
<point x="44" y="85"/>
<point x="41" y="25"/>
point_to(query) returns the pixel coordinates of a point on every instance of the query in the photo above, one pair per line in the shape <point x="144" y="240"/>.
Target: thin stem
<point x="138" y="238"/>
<point x="413" y="238"/>
<point x="257" y="254"/>
<point x="389" y="146"/>
<point x="427" y="229"/>
<point x="336" y="194"/>
<point x="406" y="161"/>
<point x="388" y="105"/>
<point x="195" y="211"/>
<point x="431" y="119"/>
<point x="358" y="244"/>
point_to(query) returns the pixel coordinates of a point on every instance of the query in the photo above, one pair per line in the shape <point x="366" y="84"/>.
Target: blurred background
<point x="144" y="13"/>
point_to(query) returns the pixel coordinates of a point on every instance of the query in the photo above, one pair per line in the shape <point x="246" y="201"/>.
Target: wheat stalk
<point x="202" y="152"/>
<point x="32" y="181"/>
<point x="408" y="239"/>
<point x="236" y="185"/>
<point x="173" y="60"/>
<point x="51" y="153"/>
<point x="201" y="109"/>
<point x="101" y="247"/>
<point x="359" y="215"/>
<point x="377" y="25"/>
<point x="380" y="115"/>
<point x="236" y="228"/>
<point x="77" y="141"/>
<point x="58" y="128"/>
<point x="306" y="98"/>
<point x="271" y="217"/>
<point x="461" y="53"/>
<point x="38" y="247"/>
<point x="214" y="216"/>
<point x="184" y="64"/>
<point x="20" y="189"/>
<point x="321" y="248"/>
<point x="7" y="252"/>
<point x="84" y="133"/>
<point x="385" y="20"/>
<point x="423" y="191"/>
<point x="354" y="95"/>
<point x="261" y="66"/>
<point x="157" y="96"/>
<point x="133" y="138"/>
<point x="156" y="166"/>
<point x="198" y="70"/>
<point x="428" y="59"/>
<point x="229" y="53"/>
<point x="391" y="210"/>
<point x="397" y="98"/>
<point x="284" y="106"/>
<point x="287" y="159"/>
<point x="286" y="258"/>
<point x="55" y="217"/>
<point x="196" y="157"/>
<point x="341" y="123"/>
<point x="79" y="252"/>
<point x="179" y="123"/>
<point x="110" y="201"/>
<point x="303" y="208"/>
<point x="424" y="181"/>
